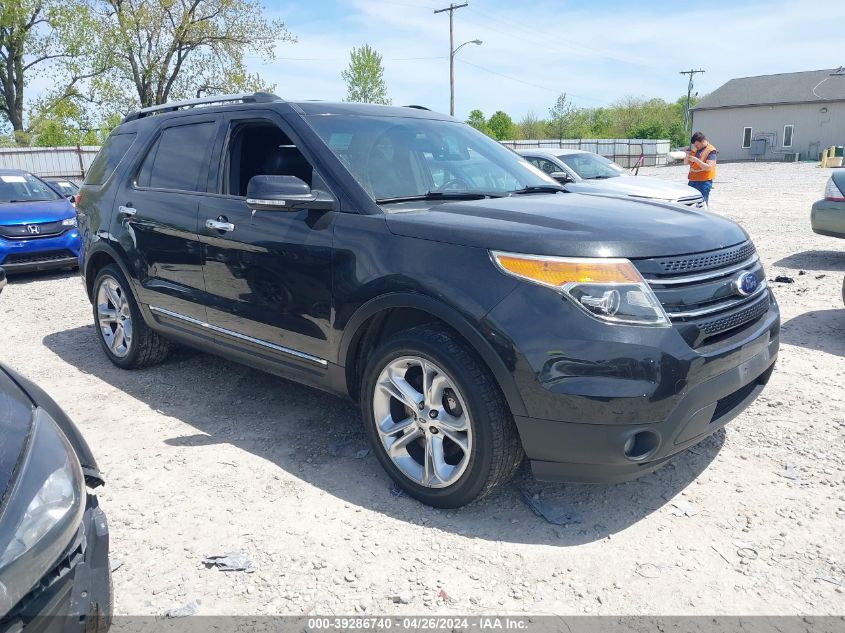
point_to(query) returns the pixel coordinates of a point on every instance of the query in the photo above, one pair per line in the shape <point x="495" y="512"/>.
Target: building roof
<point x="811" y="86"/>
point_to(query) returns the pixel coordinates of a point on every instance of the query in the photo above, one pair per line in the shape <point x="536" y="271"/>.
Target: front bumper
<point x="827" y="217"/>
<point x="76" y="591"/>
<point x="46" y="253"/>
<point x="609" y="403"/>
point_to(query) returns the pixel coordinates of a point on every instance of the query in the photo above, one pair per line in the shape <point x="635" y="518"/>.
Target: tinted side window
<point x="177" y="159"/>
<point x="108" y="158"/>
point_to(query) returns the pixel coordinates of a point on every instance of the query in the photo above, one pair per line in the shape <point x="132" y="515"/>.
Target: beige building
<point x="775" y="117"/>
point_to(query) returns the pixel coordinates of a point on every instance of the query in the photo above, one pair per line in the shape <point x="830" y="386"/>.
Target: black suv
<point x="398" y="257"/>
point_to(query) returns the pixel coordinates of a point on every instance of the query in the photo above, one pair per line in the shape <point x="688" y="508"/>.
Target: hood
<point x="642" y="186"/>
<point x="35" y="212"/>
<point x="567" y="225"/>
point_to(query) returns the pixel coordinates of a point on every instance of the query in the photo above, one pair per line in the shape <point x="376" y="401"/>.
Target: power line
<point x="533" y="35"/>
<point x="528" y="83"/>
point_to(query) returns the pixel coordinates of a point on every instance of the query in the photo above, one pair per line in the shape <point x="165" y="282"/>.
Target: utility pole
<point x="687" y="118"/>
<point x="451" y="9"/>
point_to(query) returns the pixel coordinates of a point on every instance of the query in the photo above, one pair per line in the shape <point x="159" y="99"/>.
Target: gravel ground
<point x="204" y="457"/>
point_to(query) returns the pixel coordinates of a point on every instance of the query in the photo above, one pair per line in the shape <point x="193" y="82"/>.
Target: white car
<point x="585" y="172"/>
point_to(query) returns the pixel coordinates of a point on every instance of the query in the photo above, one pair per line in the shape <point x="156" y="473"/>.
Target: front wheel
<point x="437" y="419"/>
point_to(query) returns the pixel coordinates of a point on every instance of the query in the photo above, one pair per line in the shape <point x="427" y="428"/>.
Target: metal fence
<point x="625" y="151"/>
<point x="50" y="162"/>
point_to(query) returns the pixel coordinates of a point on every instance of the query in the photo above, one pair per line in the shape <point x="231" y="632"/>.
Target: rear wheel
<point x="437" y="420"/>
<point x="124" y="336"/>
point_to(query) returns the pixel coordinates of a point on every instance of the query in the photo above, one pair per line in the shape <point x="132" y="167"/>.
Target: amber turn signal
<point x="557" y="271"/>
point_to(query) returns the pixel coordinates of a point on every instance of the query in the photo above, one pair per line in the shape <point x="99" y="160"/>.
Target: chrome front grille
<point x="705" y="261"/>
<point x="700" y="293"/>
<point x="24" y="232"/>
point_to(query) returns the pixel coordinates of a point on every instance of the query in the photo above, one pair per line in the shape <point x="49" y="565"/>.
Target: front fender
<point x="480" y="342"/>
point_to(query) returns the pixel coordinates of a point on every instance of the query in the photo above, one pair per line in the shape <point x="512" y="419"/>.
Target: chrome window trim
<point x="243" y="337"/>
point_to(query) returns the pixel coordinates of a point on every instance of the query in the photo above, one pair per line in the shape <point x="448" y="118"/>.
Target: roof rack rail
<point x="244" y="97"/>
<point x="418" y="107"/>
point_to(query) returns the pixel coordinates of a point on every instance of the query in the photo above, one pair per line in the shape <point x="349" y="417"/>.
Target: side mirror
<point x="72" y="199"/>
<point x="285" y="193"/>
<point x="561" y="176"/>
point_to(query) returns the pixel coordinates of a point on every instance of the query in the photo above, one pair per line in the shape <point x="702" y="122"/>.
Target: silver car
<point x="586" y="172"/>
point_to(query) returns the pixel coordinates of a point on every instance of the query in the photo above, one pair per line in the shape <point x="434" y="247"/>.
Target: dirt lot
<point x="205" y="457"/>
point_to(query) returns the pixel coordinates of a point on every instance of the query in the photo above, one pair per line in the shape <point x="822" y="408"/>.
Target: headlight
<point x="69" y="222"/>
<point x="608" y="289"/>
<point x="42" y="512"/>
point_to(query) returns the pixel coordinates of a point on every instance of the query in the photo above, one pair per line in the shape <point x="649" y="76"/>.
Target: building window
<point x="787" y="135"/>
<point x="746" y="138"/>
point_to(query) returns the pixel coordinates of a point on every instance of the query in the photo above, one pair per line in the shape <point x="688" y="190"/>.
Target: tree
<point x="43" y="38"/>
<point x="560" y="115"/>
<point x="531" y="127"/>
<point x="163" y="50"/>
<point x="479" y="122"/>
<point x="365" y="77"/>
<point x="501" y="126"/>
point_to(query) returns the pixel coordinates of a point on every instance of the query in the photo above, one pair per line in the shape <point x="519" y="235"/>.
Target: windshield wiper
<point x="442" y="195"/>
<point x="539" y="189"/>
<point x="601" y="177"/>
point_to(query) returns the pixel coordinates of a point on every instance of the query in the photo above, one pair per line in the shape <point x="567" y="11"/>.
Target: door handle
<point x="219" y="225"/>
<point x="128" y="211"/>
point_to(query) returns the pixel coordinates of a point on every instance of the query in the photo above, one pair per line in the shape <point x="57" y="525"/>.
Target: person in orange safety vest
<point x="702" y="164"/>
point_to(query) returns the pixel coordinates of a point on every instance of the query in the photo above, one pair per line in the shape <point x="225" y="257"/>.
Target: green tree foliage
<point x="163" y="50"/>
<point x="48" y="39"/>
<point x="561" y="116"/>
<point x="629" y="117"/>
<point x="479" y="122"/>
<point x="530" y="127"/>
<point x="365" y="77"/>
<point x="501" y="126"/>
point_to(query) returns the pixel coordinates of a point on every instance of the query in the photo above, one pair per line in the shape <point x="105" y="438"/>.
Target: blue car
<point x="37" y="225"/>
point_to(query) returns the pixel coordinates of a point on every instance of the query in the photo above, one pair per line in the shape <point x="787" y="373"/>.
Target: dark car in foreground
<point x="38" y="228"/>
<point x="54" y="569"/>
<point x="395" y="256"/>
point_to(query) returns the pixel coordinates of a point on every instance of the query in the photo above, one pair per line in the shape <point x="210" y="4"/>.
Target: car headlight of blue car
<point x="42" y="511"/>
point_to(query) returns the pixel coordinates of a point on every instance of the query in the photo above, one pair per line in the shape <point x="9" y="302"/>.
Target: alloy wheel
<point x="422" y="421"/>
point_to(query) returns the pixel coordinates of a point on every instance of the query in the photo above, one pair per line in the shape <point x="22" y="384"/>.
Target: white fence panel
<point x="50" y="162"/>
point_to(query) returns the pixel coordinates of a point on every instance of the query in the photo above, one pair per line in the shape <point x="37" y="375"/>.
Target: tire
<point x="126" y="339"/>
<point x="461" y="442"/>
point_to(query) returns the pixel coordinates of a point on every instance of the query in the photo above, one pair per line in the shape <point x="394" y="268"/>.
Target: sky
<point x="595" y="51"/>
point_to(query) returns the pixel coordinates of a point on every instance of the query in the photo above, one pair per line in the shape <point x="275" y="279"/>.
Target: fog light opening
<point x="641" y="445"/>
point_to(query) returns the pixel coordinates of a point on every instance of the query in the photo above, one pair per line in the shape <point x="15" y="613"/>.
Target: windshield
<point x="65" y="186"/>
<point x="25" y="188"/>
<point x="591" y="166"/>
<point x="396" y="157"/>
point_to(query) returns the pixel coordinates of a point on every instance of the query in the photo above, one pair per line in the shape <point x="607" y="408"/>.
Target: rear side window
<point x="177" y="159"/>
<point x="108" y="158"/>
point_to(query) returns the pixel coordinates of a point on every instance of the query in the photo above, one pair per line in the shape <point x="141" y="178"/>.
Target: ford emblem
<point x="746" y="283"/>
